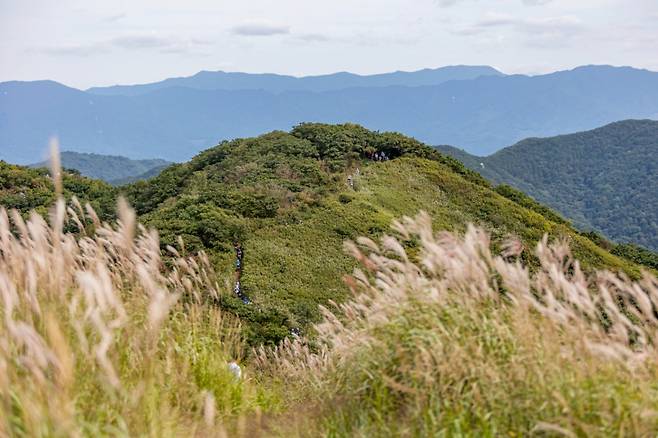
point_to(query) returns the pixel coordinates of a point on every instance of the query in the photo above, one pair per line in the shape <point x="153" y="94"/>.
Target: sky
<point x="84" y="43"/>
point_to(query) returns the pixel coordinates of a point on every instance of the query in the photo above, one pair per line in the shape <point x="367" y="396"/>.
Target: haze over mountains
<point x="604" y="180"/>
<point x="481" y="114"/>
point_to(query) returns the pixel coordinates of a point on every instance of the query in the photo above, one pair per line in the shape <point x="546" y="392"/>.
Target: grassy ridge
<point x="285" y="196"/>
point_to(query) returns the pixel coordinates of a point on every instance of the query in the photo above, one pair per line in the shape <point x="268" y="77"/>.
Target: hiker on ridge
<point x="239" y="254"/>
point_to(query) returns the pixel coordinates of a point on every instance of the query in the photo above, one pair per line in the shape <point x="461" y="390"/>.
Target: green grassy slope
<point x="285" y="197"/>
<point x="604" y="180"/>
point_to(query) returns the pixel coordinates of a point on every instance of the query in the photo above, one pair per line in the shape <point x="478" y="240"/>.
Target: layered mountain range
<point x="475" y="108"/>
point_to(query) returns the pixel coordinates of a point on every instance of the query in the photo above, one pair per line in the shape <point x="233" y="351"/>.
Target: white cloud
<point x="496" y="20"/>
<point x="141" y="42"/>
<point x="72" y="50"/>
<point x="128" y="42"/>
<point x="260" y="28"/>
<point x="536" y="2"/>
<point x="357" y="38"/>
<point x="447" y="3"/>
<point x="114" y="18"/>
<point x="534" y="29"/>
<point x="313" y="37"/>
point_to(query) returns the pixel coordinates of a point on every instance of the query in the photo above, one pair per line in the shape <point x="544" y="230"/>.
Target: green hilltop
<point x="286" y="198"/>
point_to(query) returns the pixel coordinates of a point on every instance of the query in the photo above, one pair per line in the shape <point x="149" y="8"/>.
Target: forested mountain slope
<point x="108" y="168"/>
<point x="291" y="200"/>
<point x="106" y="331"/>
<point x="604" y="180"/>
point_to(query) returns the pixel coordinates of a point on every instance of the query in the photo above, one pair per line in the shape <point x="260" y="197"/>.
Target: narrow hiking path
<point x="373" y="156"/>
<point x="237" y="289"/>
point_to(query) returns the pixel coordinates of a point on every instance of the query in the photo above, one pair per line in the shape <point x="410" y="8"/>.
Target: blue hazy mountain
<point x="219" y="80"/>
<point x="480" y="115"/>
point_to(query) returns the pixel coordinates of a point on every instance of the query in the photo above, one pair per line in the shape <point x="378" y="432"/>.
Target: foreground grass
<point x="461" y="342"/>
<point x="101" y="337"/>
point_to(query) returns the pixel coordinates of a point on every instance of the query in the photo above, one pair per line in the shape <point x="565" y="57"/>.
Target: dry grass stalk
<point x="85" y="314"/>
<point x="472" y="319"/>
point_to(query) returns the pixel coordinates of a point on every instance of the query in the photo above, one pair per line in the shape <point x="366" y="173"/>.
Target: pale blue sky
<point x="83" y="43"/>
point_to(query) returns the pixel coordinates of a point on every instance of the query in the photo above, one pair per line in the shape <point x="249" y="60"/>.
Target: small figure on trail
<point x="350" y="182"/>
<point x="357" y="172"/>
<point x="239" y="255"/>
<point x="237" y="289"/>
<point x="235" y="369"/>
<point x="376" y="157"/>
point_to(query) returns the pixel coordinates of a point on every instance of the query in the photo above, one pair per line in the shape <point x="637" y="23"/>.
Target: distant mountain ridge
<point x="220" y="80"/>
<point x="481" y="115"/>
<point x="605" y="179"/>
<point x="109" y="168"/>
